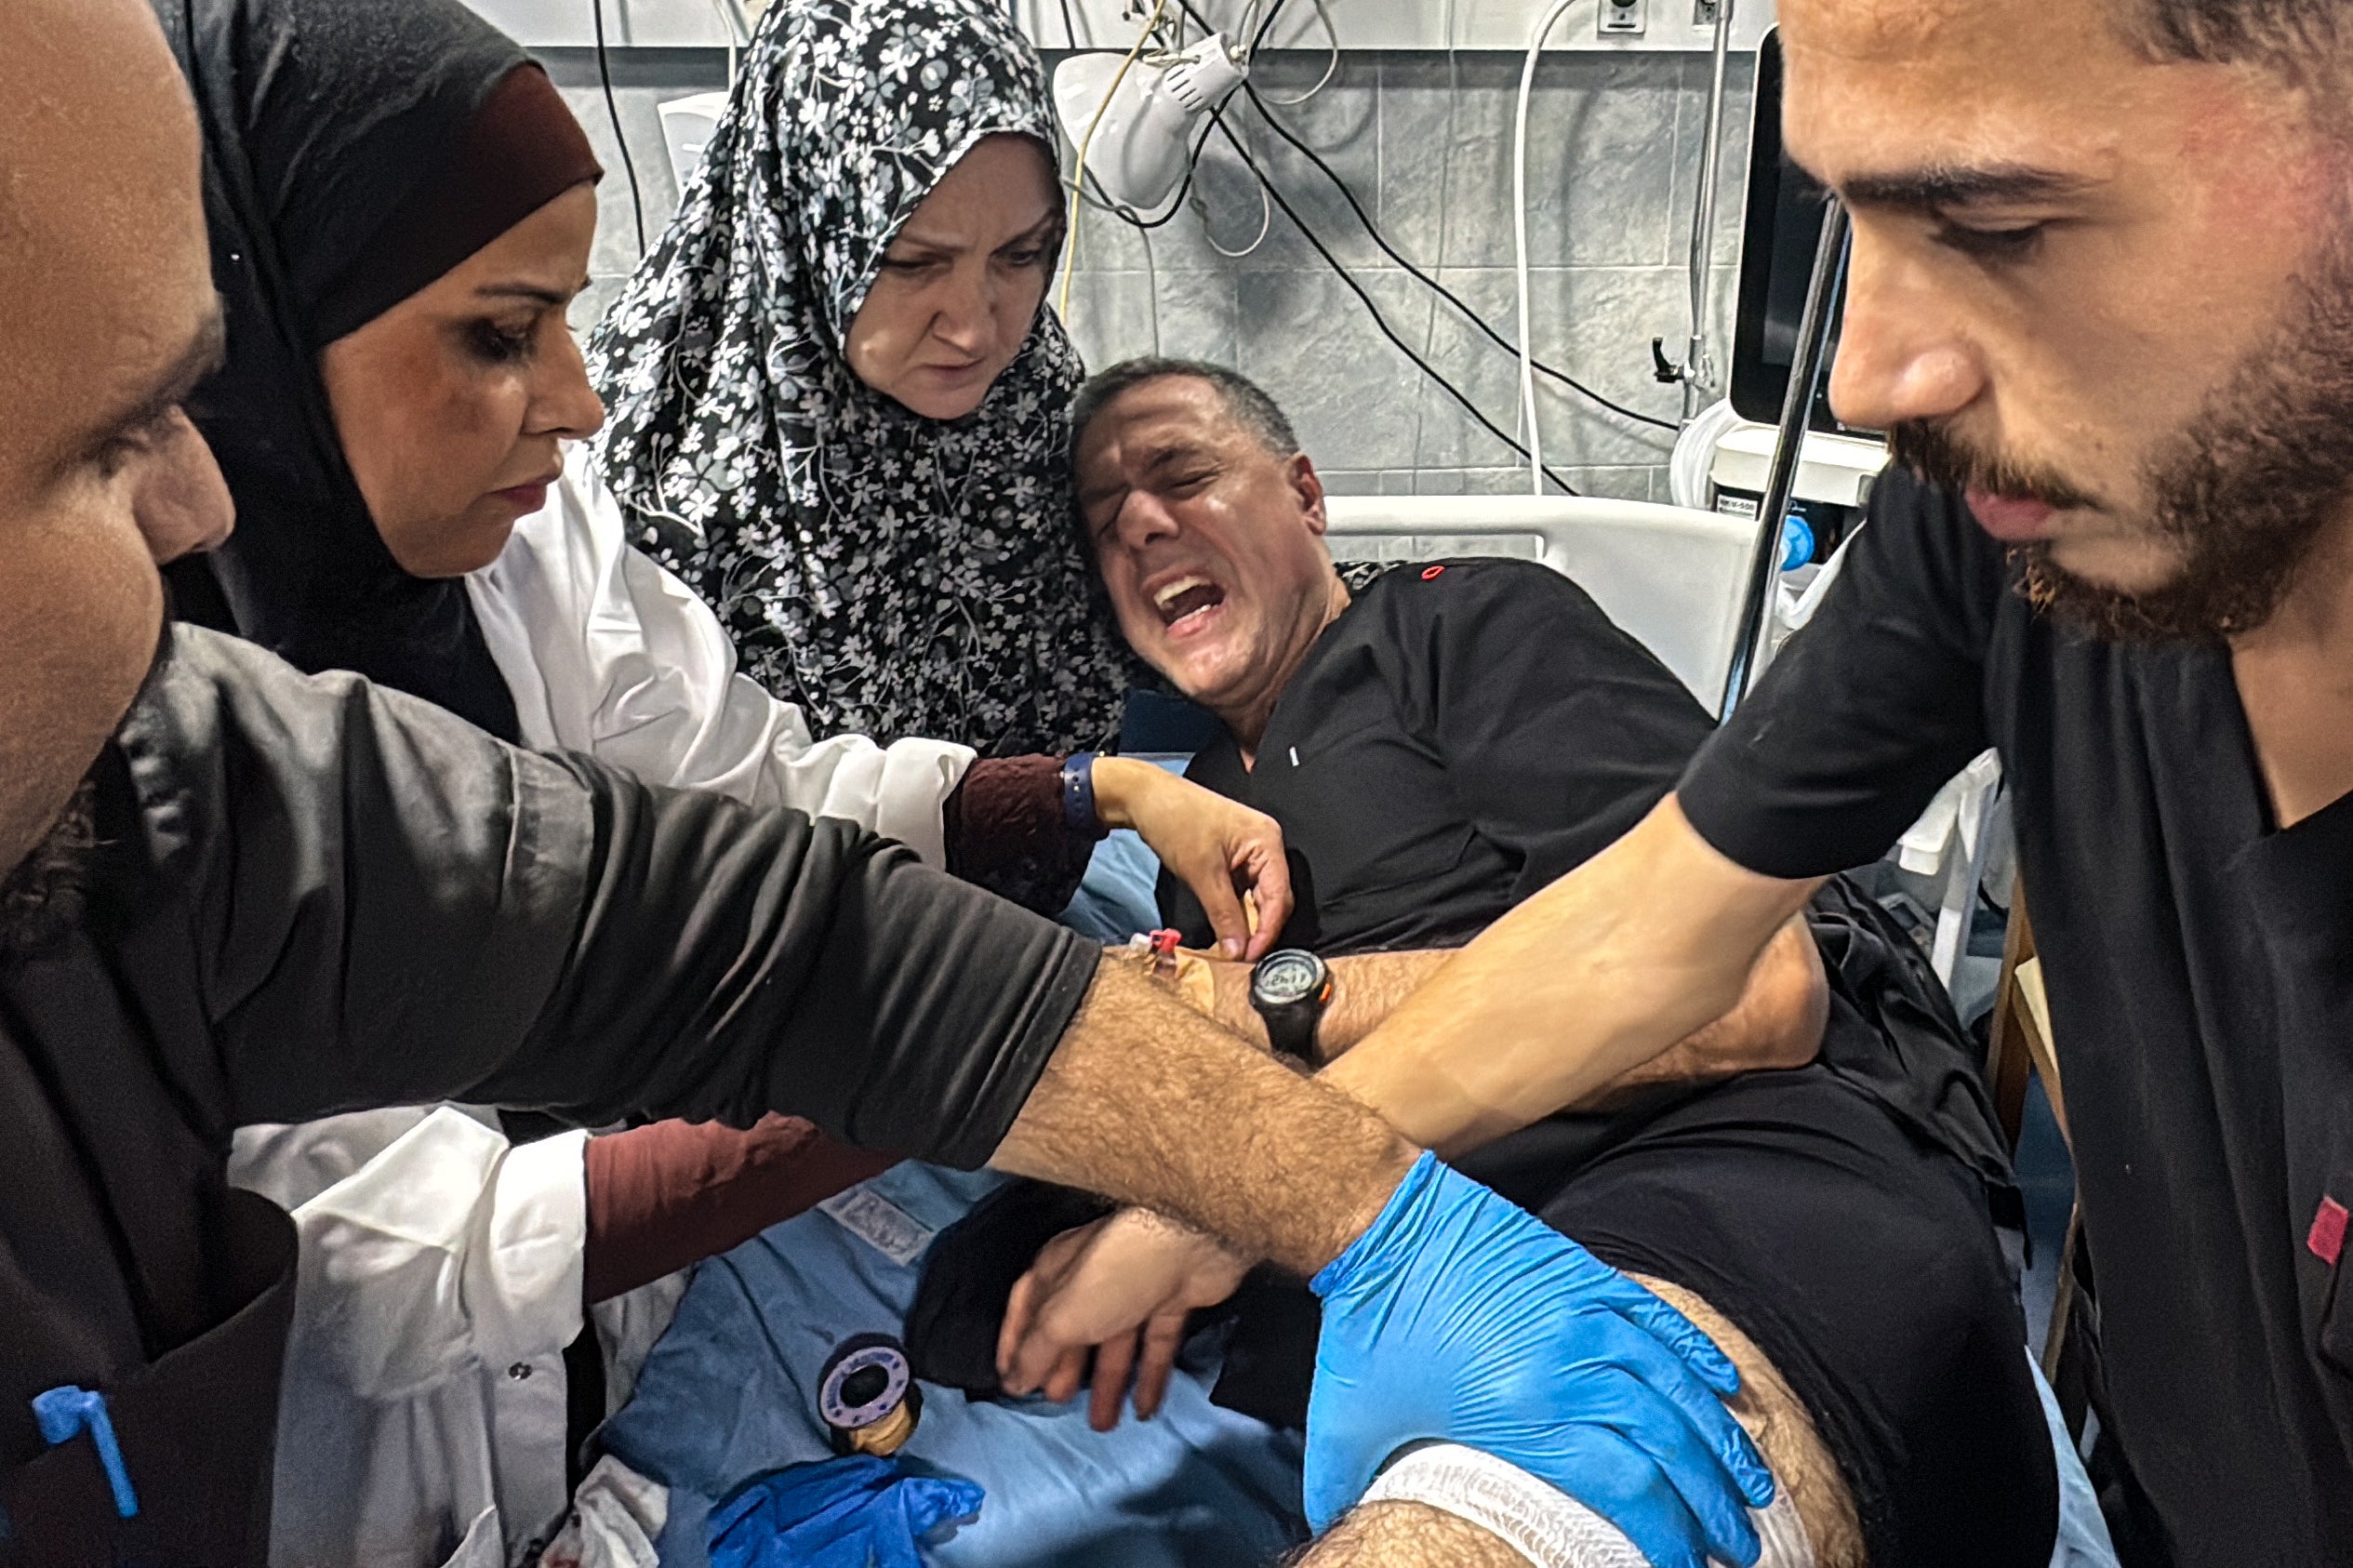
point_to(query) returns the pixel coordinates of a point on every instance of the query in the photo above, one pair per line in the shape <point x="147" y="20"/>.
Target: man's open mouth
<point x="1186" y="602"/>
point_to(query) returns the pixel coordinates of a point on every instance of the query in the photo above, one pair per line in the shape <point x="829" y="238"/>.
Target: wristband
<point x="1078" y="796"/>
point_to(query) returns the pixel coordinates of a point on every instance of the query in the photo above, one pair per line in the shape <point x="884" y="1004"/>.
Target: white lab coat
<point x="422" y="1421"/>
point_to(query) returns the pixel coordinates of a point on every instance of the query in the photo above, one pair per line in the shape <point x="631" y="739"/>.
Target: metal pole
<point x="1797" y="407"/>
<point x="1699" y="372"/>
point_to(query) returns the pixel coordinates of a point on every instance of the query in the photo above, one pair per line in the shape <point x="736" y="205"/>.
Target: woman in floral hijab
<point x="839" y="406"/>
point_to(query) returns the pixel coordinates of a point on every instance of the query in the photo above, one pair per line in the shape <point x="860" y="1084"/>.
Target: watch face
<point x="1285" y="977"/>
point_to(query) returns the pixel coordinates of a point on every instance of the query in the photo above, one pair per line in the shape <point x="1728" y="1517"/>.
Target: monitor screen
<point x="1778" y="237"/>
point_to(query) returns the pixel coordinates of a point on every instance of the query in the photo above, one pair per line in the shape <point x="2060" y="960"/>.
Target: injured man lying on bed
<point x="1816" y="1178"/>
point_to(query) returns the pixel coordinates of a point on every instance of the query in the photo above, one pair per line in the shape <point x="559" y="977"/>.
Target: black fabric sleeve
<point x="386" y="906"/>
<point x="1559" y="731"/>
<point x="1869" y="709"/>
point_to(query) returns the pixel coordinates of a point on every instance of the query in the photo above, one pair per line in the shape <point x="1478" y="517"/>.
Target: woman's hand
<point x="1219" y="848"/>
<point x="1121" y="1287"/>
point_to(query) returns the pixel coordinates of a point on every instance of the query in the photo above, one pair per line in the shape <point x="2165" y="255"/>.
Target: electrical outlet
<point x="1622" y="19"/>
<point x="1704" y="12"/>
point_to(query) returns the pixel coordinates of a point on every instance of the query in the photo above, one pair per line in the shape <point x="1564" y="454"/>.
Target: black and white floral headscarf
<point x="893" y="574"/>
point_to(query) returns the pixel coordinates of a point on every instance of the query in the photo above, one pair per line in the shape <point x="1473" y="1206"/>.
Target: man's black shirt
<point x="2200" y="964"/>
<point x="1466" y="732"/>
<point x="1462" y="734"/>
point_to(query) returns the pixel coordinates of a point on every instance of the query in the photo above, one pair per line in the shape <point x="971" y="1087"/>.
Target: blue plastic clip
<point x="64" y="1413"/>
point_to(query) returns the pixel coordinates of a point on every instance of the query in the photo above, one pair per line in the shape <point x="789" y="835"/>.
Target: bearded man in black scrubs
<point x="1438" y="745"/>
<point x="2101" y="294"/>
<point x="230" y="893"/>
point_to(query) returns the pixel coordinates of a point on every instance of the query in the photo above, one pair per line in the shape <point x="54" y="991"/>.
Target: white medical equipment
<point x="1834" y="479"/>
<point x="686" y="127"/>
<point x="1137" y="117"/>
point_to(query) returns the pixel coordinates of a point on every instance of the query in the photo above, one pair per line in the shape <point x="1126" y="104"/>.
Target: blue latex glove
<point x="857" y="1512"/>
<point x="1459" y="1316"/>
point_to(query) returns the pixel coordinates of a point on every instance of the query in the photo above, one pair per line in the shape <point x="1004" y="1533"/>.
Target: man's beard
<point x="2243" y="494"/>
<point x="41" y="896"/>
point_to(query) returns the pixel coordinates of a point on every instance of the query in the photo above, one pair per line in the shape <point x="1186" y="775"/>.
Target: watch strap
<point x="1079" y="813"/>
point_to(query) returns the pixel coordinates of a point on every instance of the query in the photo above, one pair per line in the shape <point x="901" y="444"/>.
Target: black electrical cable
<point x="1374" y="233"/>
<point x="1266" y="23"/>
<point x="1373" y="310"/>
<point x="613" y="111"/>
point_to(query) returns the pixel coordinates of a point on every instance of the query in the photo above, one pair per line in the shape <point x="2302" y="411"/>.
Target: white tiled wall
<point x="1360" y="24"/>
<point x="1424" y="140"/>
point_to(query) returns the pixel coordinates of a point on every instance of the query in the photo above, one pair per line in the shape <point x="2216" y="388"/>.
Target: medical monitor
<point x="1777" y="241"/>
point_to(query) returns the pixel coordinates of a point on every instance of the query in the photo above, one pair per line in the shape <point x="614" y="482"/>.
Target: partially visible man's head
<point x="2103" y="280"/>
<point x="110" y="321"/>
<point x="1207" y="523"/>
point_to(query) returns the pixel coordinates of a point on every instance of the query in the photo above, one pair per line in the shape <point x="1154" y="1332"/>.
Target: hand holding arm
<point x="1124" y="1285"/>
<point x="1592" y="978"/>
<point x="1219" y="848"/>
<point x="1777" y="1023"/>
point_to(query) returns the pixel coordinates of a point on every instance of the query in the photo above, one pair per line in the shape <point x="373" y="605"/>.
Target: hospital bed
<point x="1198" y="1485"/>
<point x="1670" y="576"/>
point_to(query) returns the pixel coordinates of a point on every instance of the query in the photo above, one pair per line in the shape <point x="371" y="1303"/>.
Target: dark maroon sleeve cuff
<point x="671" y="1193"/>
<point x="1006" y="831"/>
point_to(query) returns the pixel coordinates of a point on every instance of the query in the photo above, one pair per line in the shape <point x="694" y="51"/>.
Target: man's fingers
<point x="1164" y="1336"/>
<point x="1019" y="1307"/>
<point x="1271" y="887"/>
<point x="1615" y="1478"/>
<point x="1223" y="906"/>
<point x="1044" y="1354"/>
<point x="1113" y="1360"/>
<point x="1061" y="1384"/>
<point x="1679" y="1334"/>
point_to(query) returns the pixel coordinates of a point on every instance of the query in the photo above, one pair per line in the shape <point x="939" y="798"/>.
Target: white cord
<point x="1248" y="33"/>
<point x="1688" y="470"/>
<point x="1331" y="67"/>
<point x="1266" y="221"/>
<point x="1078" y="176"/>
<point x="732" y="22"/>
<point x="1520" y="243"/>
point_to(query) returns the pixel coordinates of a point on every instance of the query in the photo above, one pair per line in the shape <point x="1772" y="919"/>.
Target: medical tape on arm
<point x="1544" y="1524"/>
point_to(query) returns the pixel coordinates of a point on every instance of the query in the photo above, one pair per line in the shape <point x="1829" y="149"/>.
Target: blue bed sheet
<point x="729" y="1394"/>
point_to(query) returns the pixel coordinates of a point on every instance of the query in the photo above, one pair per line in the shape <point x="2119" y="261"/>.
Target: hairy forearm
<point x="1149" y="1102"/>
<point x="1594" y="978"/>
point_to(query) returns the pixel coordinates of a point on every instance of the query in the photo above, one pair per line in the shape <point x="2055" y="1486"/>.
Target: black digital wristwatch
<point x="1289" y="990"/>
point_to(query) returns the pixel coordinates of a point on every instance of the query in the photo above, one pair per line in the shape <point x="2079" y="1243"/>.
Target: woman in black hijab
<point x="355" y="153"/>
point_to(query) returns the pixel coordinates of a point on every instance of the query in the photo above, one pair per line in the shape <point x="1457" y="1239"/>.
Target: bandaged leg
<point x="1540" y="1523"/>
<point x="1444" y="1504"/>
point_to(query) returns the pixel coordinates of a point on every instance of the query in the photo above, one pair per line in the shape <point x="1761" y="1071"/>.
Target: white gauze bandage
<point x="1544" y="1524"/>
